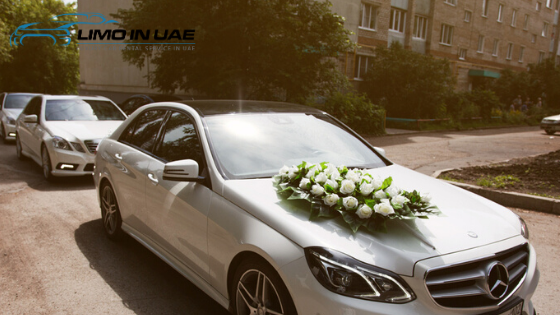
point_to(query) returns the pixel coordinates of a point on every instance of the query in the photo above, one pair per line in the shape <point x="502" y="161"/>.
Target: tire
<point x="46" y="164"/>
<point x="550" y="132"/>
<point x="3" y="133"/>
<point x="258" y="289"/>
<point x="110" y="213"/>
<point x="19" y="154"/>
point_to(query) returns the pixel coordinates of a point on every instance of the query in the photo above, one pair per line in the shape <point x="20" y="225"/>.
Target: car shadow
<point x="144" y="282"/>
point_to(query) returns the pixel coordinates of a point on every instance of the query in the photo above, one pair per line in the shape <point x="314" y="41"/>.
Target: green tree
<point x="38" y="65"/>
<point x="545" y="77"/>
<point x="273" y="49"/>
<point x="408" y="84"/>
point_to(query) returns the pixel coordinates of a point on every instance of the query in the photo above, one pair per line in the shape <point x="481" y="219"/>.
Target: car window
<point x="81" y="110"/>
<point x="33" y="107"/>
<point x="143" y="132"/>
<point x="17" y="101"/>
<point x="180" y="140"/>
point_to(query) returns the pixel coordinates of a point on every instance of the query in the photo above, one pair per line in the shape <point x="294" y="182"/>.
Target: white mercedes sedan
<point x="61" y="132"/>
<point x="11" y="105"/>
<point x="203" y="185"/>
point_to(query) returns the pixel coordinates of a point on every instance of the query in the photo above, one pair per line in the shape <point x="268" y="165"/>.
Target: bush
<point x="356" y="111"/>
<point x="515" y="117"/>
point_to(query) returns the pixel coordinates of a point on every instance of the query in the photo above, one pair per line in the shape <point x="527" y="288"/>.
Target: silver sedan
<point x="192" y="182"/>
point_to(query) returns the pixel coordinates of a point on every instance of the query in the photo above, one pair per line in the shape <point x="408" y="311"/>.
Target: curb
<point x="512" y="199"/>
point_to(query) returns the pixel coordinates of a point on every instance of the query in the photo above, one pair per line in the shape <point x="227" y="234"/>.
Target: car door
<point x="128" y="160"/>
<point x="179" y="209"/>
<point x="27" y="131"/>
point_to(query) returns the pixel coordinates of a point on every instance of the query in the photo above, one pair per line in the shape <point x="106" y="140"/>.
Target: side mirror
<point x="30" y="119"/>
<point x="182" y="170"/>
<point x="381" y="151"/>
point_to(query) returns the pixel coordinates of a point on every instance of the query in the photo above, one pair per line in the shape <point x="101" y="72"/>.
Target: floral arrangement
<point x="360" y="197"/>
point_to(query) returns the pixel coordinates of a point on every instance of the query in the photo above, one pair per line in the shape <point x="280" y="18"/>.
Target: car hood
<point x="13" y="112"/>
<point x="82" y="130"/>
<point x="556" y="117"/>
<point x="467" y="221"/>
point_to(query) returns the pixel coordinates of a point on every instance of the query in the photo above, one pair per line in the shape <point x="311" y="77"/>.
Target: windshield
<point x="81" y="110"/>
<point x="258" y="145"/>
<point x="17" y="101"/>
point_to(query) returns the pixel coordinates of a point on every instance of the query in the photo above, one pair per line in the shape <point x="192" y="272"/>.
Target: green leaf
<point x="315" y="211"/>
<point x="352" y="220"/>
<point x="387" y="182"/>
<point x="298" y="195"/>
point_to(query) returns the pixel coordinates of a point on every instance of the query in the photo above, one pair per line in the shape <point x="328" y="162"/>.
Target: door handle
<point x="153" y="178"/>
<point x="118" y="156"/>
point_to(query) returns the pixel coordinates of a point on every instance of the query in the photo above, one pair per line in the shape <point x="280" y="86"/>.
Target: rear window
<point x="81" y="110"/>
<point x="17" y="101"/>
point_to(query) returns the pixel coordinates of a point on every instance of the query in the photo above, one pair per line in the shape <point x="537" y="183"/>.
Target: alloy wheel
<point x="257" y="295"/>
<point x="46" y="164"/>
<point x="110" y="211"/>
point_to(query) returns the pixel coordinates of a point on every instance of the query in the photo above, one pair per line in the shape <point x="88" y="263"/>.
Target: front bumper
<point x="551" y="126"/>
<point x="310" y="297"/>
<point x="10" y="131"/>
<point x="71" y="163"/>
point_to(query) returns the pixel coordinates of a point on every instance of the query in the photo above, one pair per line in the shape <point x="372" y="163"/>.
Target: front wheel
<point x="258" y="289"/>
<point x="110" y="213"/>
<point x="3" y="133"/>
<point x="19" y="154"/>
<point x="47" y="168"/>
<point x="550" y="132"/>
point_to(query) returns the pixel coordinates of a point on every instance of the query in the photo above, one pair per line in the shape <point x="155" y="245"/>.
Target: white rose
<point x="364" y="212"/>
<point x="332" y="183"/>
<point x="366" y="189"/>
<point x="399" y="200"/>
<point x="312" y="170"/>
<point x="377" y="183"/>
<point x="426" y="198"/>
<point x="331" y="168"/>
<point x="335" y="175"/>
<point x="384" y="208"/>
<point x="347" y="186"/>
<point x="349" y="203"/>
<point x="292" y="172"/>
<point x="317" y="190"/>
<point x="321" y="178"/>
<point x="354" y="176"/>
<point x="284" y="170"/>
<point x="304" y="182"/>
<point x="393" y="191"/>
<point x="331" y="199"/>
<point x="380" y="194"/>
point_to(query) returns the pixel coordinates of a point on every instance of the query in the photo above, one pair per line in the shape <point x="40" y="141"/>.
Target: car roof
<point x="66" y="97"/>
<point x="220" y="107"/>
<point x="21" y="93"/>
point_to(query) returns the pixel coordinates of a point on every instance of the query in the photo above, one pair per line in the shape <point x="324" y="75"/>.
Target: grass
<point x="451" y="179"/>
<point x="500" y="181"/>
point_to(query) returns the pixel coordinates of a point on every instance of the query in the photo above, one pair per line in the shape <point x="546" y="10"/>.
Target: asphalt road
<point x="54" y="258"/>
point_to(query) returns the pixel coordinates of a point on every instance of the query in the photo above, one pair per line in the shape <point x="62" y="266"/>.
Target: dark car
<point x="134" y="102"/>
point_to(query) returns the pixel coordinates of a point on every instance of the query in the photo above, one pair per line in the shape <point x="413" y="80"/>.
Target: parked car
<point x="551" y="124"/>
<point x="192" y="181"/>
<point x="11" y="105"/>
<point x="134" y="102"/>
<point x="61" y="133"/>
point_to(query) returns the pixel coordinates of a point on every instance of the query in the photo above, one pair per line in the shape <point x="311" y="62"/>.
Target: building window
<point x="545" y="29"/>
<point x="533" y="38"/>
<point x="368" y="15"/>
<point x="521" y="52"/>
<point x="397" y="22"/>
<point x="513" y="18"/>
<point x="452" y="2"/>
<point x="500" y="11"/>
<point x="496" y="47"/>
<point x="509" y="51"/>
<point x="480" y="44"/>
<point x="485" y="7"/>
<point x="446" y="34"/>
<point x="526" y="23"/>
<point x="361" y="67"/>
<point x="462" y="54"/>
<point x="539" y="5"/>
<point x="549" y="4"/>
<point x="541" y="56"/>
<point x="468" y="16"/>
<point x="420" y="27"/>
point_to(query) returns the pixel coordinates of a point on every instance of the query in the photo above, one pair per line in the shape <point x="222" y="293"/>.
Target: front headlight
<point x="60" y="143"/>
<point x="11" y="121"/>
<point x="524" y="228"/>
<point x="345" y="275"/>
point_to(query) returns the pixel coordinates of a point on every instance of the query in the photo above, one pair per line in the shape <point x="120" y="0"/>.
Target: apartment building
<point x="479" y="37"/>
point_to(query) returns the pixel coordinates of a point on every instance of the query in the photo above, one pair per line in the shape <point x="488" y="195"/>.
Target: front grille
<point x="463" y="285"/>
<point x="92" y="145"/>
